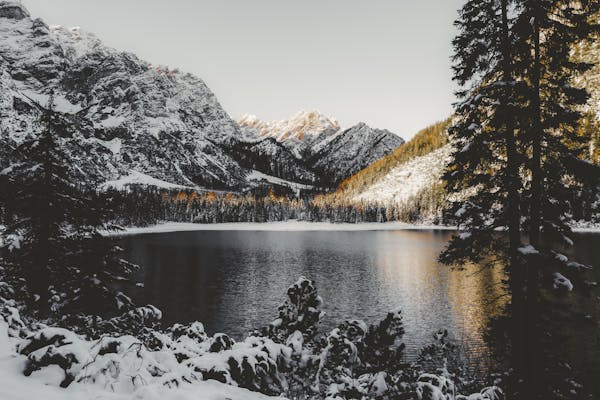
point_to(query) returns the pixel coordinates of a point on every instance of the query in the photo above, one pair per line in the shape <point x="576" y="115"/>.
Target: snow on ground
<point x="138" y="178"/>
<point x="113" y="145"/>
<point x="259" y="176"/>
<point x="408" y="179"/>
<point x="61" y="104"/>
<point x="291" y="226"/>
<point x="15" y="386"/>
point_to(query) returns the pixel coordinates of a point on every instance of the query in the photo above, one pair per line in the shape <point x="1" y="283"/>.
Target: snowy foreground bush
<point x="288" y="358"/>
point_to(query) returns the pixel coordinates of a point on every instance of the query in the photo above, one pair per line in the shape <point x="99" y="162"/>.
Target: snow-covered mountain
<point x="320" y="145"/>
<point x="132" y="116"/>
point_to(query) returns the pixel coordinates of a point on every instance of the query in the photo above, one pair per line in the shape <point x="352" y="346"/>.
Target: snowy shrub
<point x="441" y="356"/>
<point x="195" y="331"/>
<point x="9" y="313"/>
<point x="124" y="364"/>
<point x="363" y="362"/>
<point x="255" y="364"/>
<point x="434" y="387"/>
<point x="488" y="393"/>
<point x="220" y="342"/>
<point x="139" y="321"/>
<point x="55" y="346"/>
<point x="300" y="312"/>
<point x="383" y="348"/>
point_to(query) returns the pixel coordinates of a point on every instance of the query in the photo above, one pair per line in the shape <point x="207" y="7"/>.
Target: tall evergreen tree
<point x="546" y="32"/>
<point x="483" y="173"/>
<point x="483" y="176"/>
<point x="517" y="142"/>
<point x="54" y="217"/>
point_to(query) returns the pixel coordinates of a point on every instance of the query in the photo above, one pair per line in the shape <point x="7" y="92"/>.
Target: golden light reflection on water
<point x="476" y="296"/>
<point x="472" y="297"/>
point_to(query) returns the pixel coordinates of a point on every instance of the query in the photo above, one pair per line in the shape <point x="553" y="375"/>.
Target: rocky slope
<point x="321" y="146"/>
<point x="352" y="150"/>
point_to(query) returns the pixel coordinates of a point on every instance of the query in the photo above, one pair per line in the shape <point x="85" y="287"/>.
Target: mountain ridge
<point x="134" y="118"/>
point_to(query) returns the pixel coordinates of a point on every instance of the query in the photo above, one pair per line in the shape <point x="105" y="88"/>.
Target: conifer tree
<point x="545" y="34"/>
<point x="482" y="177"/>
<point x="517" y="137"/>
<point x="56" y="217"/>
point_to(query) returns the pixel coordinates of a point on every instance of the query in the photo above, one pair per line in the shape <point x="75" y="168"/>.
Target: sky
<point x="383" y="62"/>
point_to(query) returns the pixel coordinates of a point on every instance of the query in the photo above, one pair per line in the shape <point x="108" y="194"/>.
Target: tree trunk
<point x="532" y="371"/>
<point x="536" y="144"/>
<point x="516" y="275"/>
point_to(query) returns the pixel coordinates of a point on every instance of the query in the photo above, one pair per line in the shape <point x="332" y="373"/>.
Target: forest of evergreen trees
<point x="142" y="206"/>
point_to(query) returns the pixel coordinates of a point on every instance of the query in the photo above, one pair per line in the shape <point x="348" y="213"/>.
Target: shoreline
<point x="295" y="226"/>
<point x="280" y="226"/>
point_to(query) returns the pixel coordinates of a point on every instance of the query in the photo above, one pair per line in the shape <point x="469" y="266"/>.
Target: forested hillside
<point x="424" y="142"/>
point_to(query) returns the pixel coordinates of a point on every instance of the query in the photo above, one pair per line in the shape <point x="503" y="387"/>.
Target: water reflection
<point x="234" y="281"/>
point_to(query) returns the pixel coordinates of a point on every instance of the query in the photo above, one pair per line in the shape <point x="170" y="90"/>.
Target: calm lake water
<point x="233" y="281"/>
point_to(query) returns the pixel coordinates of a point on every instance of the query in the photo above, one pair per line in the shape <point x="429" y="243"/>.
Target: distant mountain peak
<point x="304" y="125"/>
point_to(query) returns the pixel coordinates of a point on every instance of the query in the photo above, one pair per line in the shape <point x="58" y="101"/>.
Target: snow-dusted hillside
<point x="408" y="179"/>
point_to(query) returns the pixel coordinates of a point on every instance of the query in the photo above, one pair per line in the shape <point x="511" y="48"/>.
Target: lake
<point x="233" y="281"/>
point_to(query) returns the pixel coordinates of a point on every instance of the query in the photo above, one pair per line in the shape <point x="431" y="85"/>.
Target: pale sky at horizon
<point x="386" y="63"/>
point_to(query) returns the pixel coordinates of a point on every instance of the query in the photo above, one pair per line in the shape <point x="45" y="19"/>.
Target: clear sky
<point x="386" y="63"/>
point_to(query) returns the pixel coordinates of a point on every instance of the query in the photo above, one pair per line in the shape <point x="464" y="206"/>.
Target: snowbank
<point x="291" y="226"/>
<point x="295" y="226"/>
<point x="15" y="386"/>
<point x="137" y="178"/>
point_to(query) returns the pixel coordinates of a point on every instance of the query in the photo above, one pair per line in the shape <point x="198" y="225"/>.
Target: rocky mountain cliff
<point x="351" y="150"/>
